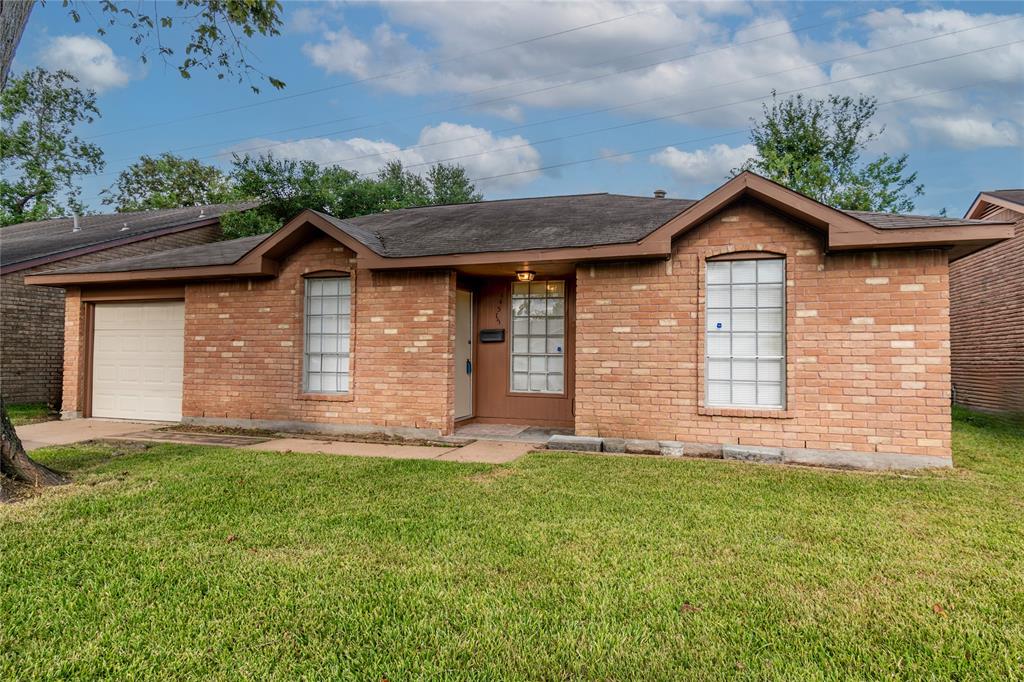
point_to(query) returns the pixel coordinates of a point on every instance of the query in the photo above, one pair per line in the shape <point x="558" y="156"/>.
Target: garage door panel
<point x="138" y="360"/>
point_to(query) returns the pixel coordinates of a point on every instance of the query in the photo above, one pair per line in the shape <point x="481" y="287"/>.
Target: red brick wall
<point x="987" y="323"/>
<point x="32" y="319"/>
<point x="867" y="345"/>
<point x="244" y="339"/>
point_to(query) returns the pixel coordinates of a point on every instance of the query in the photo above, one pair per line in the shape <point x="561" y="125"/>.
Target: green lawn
<point x="29" y="413"/>
<point x="185" y="562"/>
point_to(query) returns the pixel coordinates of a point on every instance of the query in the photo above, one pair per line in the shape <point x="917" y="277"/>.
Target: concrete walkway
<point x="44" y="434"/>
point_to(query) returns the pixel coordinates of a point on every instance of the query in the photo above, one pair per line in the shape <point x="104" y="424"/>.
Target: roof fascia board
<point x="986" y="198"/>
<point x="109" y="244"/>
<point x="582" y="253"/>
<point x="923" y="237"/>
<point x="264" y="267"/>
<point x="270" y="247"/>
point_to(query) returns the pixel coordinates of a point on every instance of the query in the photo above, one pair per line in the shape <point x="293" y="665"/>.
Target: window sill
<point x="745" y="412"/>
<point x="328" y="397"/>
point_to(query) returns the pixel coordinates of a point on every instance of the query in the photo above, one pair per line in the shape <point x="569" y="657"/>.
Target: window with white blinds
<point x="745" y="349"/>
<point x="327" y="332"/>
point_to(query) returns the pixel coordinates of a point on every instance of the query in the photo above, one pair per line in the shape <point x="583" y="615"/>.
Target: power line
<point x="449" y="109"/>
<point x="668" y="97"/>
<point x="381" y="76"/>
<point x="715" y="107"/>
<point x="736" y="132"/>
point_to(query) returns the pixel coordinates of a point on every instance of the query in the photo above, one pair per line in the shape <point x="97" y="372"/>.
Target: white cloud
<point x="703" y="165"/>
<point x="707" y="68"/>
<point x="89" y="58"/>
<point x="479" y="151"/>
<point x="966" y="132"/>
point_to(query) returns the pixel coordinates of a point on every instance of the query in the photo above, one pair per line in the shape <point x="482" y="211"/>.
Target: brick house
<point x="753" y="317"/>
<point x="32" y="318"/>
<point x="986" y="304"/>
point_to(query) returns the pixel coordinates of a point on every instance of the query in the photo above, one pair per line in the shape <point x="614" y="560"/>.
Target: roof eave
<point x="109" y="244"/>
<point x="263" y="267"/>
<point x="961" y="240"/>
<point x="985" y="198"/>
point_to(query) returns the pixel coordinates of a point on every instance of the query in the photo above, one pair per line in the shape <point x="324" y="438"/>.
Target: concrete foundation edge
<point x="312" y="427"/>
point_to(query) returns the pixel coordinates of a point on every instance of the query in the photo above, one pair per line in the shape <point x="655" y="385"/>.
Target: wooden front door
<point x="509" y="385"/>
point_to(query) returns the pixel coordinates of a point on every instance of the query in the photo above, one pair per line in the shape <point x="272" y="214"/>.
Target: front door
<point x="463" y="354"/>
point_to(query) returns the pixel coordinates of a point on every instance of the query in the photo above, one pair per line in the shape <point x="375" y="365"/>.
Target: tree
<point x="15" y="464"/>
<point x="285" y="187"/>
<point x="40" y="155"/>
<point x="167" y="181"/>
<point x="13" y="18"/>
<point x="815" y="147"/>
<point x="449" y="184"/>
<point x="214" y="37"/>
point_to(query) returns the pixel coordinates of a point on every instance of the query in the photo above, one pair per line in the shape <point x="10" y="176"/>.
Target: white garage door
<point x="138" y="359"/>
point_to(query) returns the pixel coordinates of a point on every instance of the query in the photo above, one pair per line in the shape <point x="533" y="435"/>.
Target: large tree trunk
<point x="18" y="466"/>
<point x="13" y="17"/>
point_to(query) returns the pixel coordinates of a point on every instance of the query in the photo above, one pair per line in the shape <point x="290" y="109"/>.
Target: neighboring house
<point x="754" y="316"/>
<point x="32" y="318"/>
<point x="986" y="303"/>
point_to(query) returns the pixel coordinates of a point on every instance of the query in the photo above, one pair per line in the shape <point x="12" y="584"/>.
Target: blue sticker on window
<point x="718" y="325"/>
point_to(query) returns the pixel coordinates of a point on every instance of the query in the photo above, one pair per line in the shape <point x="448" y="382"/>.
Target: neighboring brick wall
<point x="32" y="319"/>
<point x="987" y="323"/>
<point x="867" y="345"/>
<point x="244" y="340"/>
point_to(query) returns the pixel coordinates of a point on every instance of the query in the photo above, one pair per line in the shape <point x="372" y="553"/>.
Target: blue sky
<point x="444" y="81"/>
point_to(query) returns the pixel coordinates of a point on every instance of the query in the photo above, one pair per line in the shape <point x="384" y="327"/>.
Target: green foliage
<point x="40" y="155"/>
<point x="285" y="187"/>
<point x="815" y="147"/>
<point x="217" y="563"/>
<point x="216" y="31"/>
<point x="167" y="181"/>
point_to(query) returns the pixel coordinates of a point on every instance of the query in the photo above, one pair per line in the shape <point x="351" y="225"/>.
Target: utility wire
<point x="740" y="131"/>
<point x="494" y="100"/>
<point x="688" y="93"/>
<point x="376" y="77"/>
<point x="715" y="107"/>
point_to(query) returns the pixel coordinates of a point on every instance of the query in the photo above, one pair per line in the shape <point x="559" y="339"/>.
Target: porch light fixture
<point x="525" y="275"/>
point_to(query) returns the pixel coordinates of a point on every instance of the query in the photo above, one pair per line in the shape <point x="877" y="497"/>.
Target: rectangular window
<point x="745" y="350"/>
<point x="538" y="337"/>
<point x="328" y="321"/>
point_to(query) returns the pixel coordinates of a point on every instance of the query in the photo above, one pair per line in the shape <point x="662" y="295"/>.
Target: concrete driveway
<point x="43" y="434"/>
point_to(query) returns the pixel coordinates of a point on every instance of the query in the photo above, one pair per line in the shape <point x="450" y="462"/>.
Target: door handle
<point x="469" y="367"/>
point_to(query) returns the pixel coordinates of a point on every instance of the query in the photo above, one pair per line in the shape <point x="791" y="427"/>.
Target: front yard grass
<point x="190" y="562"/>
<point x="29" y="413"/>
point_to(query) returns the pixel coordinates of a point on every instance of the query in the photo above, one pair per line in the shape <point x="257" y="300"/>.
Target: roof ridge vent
<point x="660" y="194"/>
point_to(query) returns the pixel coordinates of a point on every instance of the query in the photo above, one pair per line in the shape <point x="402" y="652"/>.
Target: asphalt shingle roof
<point x="505" y="225"/>
<point x="1014" y="195"/>
<point x="50" y="238"/>
<point x="896" y="221"/>
<point x="516" y="224"/>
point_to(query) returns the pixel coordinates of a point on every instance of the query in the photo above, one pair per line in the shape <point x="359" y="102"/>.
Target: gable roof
<point x="1014" y="195"/>
<point x="546" y="229"/>
<point x="987" y="203"/>
<point x="48" y="241"/>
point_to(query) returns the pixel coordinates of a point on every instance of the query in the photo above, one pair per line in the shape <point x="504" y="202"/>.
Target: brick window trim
<point x="740" y="251"/>
<point x="316" y="396"/>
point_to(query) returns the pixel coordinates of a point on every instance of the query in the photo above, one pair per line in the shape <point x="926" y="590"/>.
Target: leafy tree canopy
<point x="215" y="30"/>
<point x="40" y="154"/>
<point x="168" y="181"/>
<point x="815" y="146"/>
<point x="285" y="187"/>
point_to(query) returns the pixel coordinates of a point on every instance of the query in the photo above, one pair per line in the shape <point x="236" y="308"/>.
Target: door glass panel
<point x="538" y="337"/>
